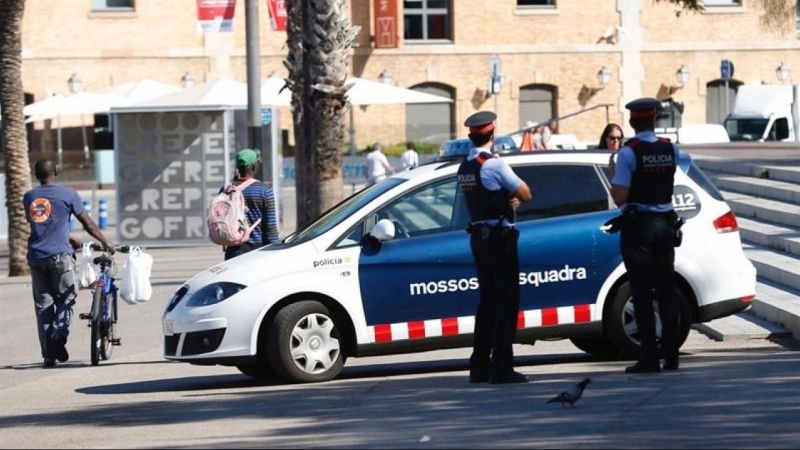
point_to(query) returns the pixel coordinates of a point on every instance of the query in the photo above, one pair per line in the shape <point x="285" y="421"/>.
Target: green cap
<point x="247" y="157"/>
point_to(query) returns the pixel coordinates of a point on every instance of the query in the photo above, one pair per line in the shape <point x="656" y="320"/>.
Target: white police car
<point x="389" y="270"/>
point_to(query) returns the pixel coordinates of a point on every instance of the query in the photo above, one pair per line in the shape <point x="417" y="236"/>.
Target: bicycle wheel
<point x="109" y="325"/>
<point x="96" y="323"/>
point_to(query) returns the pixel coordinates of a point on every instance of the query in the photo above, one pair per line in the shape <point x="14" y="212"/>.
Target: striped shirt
<point x="259" y="200"/>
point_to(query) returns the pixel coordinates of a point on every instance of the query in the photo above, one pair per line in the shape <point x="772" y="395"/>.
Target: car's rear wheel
<point x="304" y="343"/>
<point x="622" y="330"/>
<point x="596" y="346"/>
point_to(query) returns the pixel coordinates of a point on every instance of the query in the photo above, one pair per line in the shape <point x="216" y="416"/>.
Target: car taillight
<point x="726" y="223"/>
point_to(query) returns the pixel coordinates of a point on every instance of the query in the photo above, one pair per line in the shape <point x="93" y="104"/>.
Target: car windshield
<point x="750" y="129"/>
<point x="343" y="210"/>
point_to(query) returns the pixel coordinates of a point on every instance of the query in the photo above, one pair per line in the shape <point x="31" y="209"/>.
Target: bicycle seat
<point x="103" y="260"/>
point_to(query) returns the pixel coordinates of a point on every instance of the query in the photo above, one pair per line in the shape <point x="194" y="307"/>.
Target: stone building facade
<point x="552" y="53"/>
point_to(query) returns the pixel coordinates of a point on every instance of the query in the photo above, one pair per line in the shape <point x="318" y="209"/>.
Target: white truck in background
<point x="765" y="113"/>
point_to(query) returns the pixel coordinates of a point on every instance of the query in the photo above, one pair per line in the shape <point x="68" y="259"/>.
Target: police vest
<point x="482" y="203"/>
<point x="654" y="176"/>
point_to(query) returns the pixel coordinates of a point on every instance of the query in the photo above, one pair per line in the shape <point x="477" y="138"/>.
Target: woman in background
<point x="611" y="139"/>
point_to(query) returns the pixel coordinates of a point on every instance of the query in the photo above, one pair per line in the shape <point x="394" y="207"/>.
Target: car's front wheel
<point x="621" y="327"/>
<point x="304" y="343"/>
<point x="259" y="370"/>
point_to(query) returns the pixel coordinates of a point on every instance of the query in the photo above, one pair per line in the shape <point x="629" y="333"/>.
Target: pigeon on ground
<point x="572" y="394"/>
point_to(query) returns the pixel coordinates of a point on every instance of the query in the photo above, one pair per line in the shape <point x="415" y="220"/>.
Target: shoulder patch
<point x="664" y="139"/>
<point x="632" y="142"/>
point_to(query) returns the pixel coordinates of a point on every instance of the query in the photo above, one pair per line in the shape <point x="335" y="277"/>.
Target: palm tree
<point x="14" y="141"/>
<point x="319" y="37"/>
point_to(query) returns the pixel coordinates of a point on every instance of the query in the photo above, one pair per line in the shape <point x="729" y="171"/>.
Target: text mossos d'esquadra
<point x="466" y="284"/>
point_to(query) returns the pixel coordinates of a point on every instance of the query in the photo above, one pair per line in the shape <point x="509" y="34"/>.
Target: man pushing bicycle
<point x="50" y="255"/>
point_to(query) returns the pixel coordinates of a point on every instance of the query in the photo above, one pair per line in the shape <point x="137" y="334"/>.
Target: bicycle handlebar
<point x="118" y="248"/>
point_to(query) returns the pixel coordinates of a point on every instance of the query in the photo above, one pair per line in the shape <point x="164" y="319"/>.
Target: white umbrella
<point x="80" y="103"/>
<point x="362" y="92"/>
<point x="141" y="90"/>
<point x="218" y="94"/>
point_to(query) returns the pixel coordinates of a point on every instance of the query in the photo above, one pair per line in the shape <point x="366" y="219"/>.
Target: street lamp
<point x="75" y="84"/>
<point x="604" y="76"/>
<point x="187" y="80"/>
<point x="783" y="73"/>
<point x="385" y="77"/>
<point x="682" y="75"/>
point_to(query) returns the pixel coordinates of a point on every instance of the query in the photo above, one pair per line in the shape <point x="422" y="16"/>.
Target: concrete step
<point x="779" y="305"/>
<point x="776" y="237"/>
<point x="758" y="187"/>
<point x="741" y="327"/>
<point x="773" y="211"/>
<point x="789" y="174"/>
<point x="778" y="268"/>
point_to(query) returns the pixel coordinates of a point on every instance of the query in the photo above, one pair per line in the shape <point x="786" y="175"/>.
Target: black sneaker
<point x="49" y="362"/>
<point x="60" y="348"/>
<point x="641" y="367"/>
<point x="511" y="377"/>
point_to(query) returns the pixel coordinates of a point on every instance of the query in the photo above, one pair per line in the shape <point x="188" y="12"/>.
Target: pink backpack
<point x="226" y="220"/>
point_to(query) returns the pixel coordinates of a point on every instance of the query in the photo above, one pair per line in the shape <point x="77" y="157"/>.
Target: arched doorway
<point x="720" y="99"/>
<point x="431" y="122"/>
<point x="537" y="103"/>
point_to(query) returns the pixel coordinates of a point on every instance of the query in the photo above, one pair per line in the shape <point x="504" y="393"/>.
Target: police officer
<point x="642" y="181"/>
<point x="492" y="191"/>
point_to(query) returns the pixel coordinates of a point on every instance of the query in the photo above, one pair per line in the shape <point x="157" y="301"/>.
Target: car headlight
<point x="214" y="293"/>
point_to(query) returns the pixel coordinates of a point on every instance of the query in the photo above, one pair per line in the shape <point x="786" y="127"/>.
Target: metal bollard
<point x="87" y="206"/>
<point x="102" y="213"/>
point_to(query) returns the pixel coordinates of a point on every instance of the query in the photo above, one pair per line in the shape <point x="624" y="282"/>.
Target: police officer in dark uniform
<point x="492" y="191"/>
<point x="642" y="182"/>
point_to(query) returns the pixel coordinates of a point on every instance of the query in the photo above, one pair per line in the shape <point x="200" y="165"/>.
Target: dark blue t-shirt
<point x="48" y="209"/>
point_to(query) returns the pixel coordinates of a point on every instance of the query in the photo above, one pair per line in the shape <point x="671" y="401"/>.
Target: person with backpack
<point x="242" y="217"/>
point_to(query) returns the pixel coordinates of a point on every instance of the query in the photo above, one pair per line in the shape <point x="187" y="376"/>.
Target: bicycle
<point x="104" y="313"/>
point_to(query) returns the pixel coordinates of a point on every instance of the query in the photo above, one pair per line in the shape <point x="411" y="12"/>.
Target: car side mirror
<point x="383" y="230"/>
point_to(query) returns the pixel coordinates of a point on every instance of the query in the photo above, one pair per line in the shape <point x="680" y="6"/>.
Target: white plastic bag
<point x="87" y="274"/>
<point x="135" y="287"/>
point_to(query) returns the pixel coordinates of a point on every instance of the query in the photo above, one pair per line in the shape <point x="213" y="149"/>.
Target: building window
<point x="106" y="5"/>
<point x="425" y="20"/>
<point x="431" y="123"/>
<point x="715" y="3"/>
<point x="536" y="3"/>
<point x="537" y="103"/>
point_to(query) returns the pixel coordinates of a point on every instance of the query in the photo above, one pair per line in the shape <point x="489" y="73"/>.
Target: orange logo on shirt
<point x="40" y="210"/>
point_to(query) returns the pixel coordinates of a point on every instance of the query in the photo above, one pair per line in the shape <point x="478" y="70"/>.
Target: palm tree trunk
<point x="319" y="40"/>
<point x="14" y="141"/>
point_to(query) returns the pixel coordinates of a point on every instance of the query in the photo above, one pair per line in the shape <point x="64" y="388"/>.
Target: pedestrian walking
<point x="259" y="199"/>
<point x="48" y="208"/>
<point x="410" y="157"/>
<point x="377" y="165"/>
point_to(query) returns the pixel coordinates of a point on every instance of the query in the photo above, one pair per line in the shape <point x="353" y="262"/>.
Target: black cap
<point x="480" y="121"/>
<point x="644" y="107"/>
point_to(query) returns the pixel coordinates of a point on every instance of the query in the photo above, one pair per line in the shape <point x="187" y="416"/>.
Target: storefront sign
<point x="277" y="14"/>
<point x="215" y="16"/>
<point x="385" y="23"/>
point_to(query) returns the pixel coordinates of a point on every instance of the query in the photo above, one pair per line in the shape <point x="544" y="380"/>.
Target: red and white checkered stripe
<point x="463" y="325"/>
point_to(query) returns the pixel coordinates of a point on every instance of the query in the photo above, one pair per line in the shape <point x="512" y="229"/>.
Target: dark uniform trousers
<point x="647" y="245"/>
<point x="494" y="250"/>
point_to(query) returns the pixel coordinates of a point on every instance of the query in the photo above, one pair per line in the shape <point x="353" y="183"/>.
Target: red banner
<point x="385" y="23"/>
<point x="215" y="16"/>
<point x="277" y="14"/>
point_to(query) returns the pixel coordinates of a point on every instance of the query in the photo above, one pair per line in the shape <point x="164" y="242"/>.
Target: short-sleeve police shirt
<point x="626" y="165"/>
